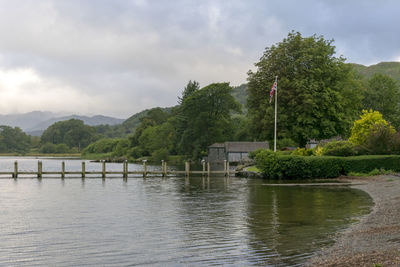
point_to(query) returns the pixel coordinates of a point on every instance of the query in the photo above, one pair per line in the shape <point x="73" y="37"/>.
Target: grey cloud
<point x="139" y="54"/>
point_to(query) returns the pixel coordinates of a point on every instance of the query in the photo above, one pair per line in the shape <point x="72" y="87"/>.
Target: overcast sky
<point x="118" y="57"/>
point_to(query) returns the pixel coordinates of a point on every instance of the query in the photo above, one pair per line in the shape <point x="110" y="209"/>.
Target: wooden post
<point x="125" y="169"/>
<point x="203" y="162"/>
<point x="165" y="168"/>
<point x="15" y="174"/>
<point x="63" y="170"/>
<point x="144" y="168"/>
<point x="162" y="168"/>
<point x="83" y="169"/>
<point x="187" y="168"/>
<point x="208" y="169"/>
<point x="39" y="175"/>
<point x="225" y="167"/>
<point x="103" y="174"/>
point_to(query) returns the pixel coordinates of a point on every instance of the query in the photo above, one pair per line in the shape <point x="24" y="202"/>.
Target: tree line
<point x="319" y="97"/>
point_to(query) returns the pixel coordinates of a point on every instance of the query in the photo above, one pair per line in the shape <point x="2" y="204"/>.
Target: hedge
<point x="366" y="164"/>
<point x="302" y="167"/>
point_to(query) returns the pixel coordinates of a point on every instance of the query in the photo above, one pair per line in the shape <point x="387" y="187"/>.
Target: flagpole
<point x="276" y="110"/>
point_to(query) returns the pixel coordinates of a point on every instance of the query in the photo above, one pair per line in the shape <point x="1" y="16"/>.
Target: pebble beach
<point x="375" y="240"/>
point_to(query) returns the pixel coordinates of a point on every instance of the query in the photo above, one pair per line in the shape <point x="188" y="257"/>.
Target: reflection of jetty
<point x="125" y="173"/>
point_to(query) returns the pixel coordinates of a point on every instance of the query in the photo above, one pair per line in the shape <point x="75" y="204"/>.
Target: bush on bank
<point x="276" y="166"/>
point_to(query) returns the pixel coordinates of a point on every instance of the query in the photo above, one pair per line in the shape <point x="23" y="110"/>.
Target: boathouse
<point x="233" y="151"/>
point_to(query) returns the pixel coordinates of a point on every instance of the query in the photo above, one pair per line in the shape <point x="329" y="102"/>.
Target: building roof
<point x="245" y="146"/>
<point x="217" y="145"/>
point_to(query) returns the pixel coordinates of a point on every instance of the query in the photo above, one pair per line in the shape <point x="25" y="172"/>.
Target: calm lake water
<point x="171" y="221"/>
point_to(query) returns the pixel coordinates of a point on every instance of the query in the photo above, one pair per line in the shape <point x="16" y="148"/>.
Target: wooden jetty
<point x="125" y="173"/>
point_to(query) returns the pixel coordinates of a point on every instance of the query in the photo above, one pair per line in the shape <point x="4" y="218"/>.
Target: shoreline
<point x="375" y="239"/>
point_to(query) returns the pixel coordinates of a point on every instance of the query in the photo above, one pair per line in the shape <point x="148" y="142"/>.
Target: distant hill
<point x="128" y="126"/>
<point x="391" y="69"/>
<point x="35" y="122"/>
<point x="25" y="120"/>
<point x="92" y="121"/>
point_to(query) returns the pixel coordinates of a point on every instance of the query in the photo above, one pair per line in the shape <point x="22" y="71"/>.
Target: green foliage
<point x="253" y="154"/>
<point x="116" y="147"/>
<point x="383" y="94"/>
<point x="298" y="167"/>
<point x="121" y="148"/>
<point x="189" y="89"/>
<point x="71" y="132"/>
<point x="205" y="119"/>
<point x="241" y="129"/>
<point x="302" y="152"/>
<point x="339" y="148"/>
<point x="369" y="122"/>
<point x="50" y="148"/>
<point x="157" y="137"/>
<point x="276" y="166"/>
<point x="319" y="96"/>
<point x="365" y="164"/>
<point x="13" y="140"/>
<point x="154" y="117"/>
<point x="135" y="152"/>
<point x="104" y="145"/>
<point x="160" y="154"/>
<point x="391" y="69"/>
<point x="129" y="126"/>
<point x="285" y="142"/>
<point x="383" y="140"/>
<point x="371" y="173"/>
<point x="240" y="95"/>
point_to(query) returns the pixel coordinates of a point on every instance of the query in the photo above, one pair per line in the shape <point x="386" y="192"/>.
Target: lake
<point x="173" y="221"/>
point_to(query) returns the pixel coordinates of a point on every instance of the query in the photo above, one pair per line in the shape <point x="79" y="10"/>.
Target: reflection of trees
<point x="238" y="221"/>
<point x="290" y="221"/>
<point x="213" y="225"/>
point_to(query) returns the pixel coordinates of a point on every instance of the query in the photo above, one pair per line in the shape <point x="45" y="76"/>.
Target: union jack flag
<point x="271" y="93"/>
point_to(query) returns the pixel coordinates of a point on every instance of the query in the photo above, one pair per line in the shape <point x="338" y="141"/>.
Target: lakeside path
<point x="375" y="240"/>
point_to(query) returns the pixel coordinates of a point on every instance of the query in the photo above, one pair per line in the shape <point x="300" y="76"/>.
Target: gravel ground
<point x="375" y="241"/>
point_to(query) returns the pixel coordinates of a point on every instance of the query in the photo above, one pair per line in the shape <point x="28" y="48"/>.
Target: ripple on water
<point x="173" y="221"/>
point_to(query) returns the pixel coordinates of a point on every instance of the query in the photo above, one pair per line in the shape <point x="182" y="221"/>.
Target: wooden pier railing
<point x="125" y="173"/>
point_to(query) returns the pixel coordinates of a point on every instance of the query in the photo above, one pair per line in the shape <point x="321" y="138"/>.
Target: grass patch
<point x="253" y="169"/>
<point x="371" y="173"/>
<point x="97" y="156"/>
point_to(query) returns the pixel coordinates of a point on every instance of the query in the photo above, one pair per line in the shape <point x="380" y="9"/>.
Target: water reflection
<point x="294" y="221"/>
<point x="174" y="221"/>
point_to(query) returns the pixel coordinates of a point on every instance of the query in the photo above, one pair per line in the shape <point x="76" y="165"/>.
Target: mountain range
<point x="35" y="122"/>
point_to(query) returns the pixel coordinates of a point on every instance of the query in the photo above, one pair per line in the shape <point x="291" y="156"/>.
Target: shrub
<point x="369" y="122"/>
<point x="382" y="140"/>
<point x="48" y="148"/>
<point x="299" y="167"/>
<point x="160" y="154"/>
<point x="276" y="166"/>
<point x="62" y="148"/>
<point x="285" y="142"/>
<point x="252" y="154"/>
<point x="302" y="152"/>
<point x="365" y="164"/>
<point x="135" y="152"/>
<point x="339" y="148"/>
<point x="121" y="148"/>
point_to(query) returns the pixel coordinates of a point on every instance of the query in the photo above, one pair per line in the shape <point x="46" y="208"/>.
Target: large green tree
<point x="207" y="113"/>
<point x="383" y="94"/>
<point x="318" y="96"/>
<point x="13" y="140"/>
<point x="73" y="133"/>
